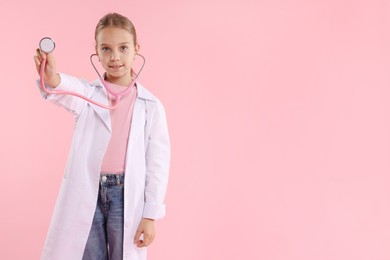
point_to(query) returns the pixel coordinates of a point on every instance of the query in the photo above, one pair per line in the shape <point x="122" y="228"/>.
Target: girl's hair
<point x="116" y="20"/>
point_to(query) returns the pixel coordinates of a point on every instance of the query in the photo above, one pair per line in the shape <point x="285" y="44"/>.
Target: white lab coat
<point x="146" y="170"/>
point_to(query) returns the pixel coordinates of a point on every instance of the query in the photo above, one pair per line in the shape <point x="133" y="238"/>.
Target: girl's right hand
<point x="50" y="75"/>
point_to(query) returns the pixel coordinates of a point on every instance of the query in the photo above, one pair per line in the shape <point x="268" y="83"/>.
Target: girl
<point x="115" y="179"/>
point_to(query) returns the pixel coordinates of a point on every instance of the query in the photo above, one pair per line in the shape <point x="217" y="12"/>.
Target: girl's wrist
<point x="150" y="219"/>
<point x="55" y="81"/>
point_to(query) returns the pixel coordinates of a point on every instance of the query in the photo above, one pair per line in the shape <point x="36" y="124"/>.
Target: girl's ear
<point x="96" y="52"/>
<point x="137" y="47"/>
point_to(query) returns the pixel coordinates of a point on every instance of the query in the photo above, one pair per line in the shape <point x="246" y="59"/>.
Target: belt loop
<point x="103" y="179"/>
<point x="117" y="179"/>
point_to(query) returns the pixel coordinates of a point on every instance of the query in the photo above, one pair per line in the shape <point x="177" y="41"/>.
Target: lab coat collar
<point x="143" y="93"/>
<point x="104" y="114"/>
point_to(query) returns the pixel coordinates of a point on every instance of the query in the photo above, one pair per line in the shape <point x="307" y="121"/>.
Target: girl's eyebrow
<point x="105" y="44"/>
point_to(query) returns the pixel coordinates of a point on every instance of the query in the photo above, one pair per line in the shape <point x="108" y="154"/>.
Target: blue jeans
<point x="105" y="239"/>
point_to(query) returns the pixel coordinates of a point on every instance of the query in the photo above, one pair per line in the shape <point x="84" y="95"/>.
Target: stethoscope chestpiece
<point x="47" y="45"/>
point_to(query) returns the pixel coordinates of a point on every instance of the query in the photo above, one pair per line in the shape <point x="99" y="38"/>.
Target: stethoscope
<point x="47" y="45"/>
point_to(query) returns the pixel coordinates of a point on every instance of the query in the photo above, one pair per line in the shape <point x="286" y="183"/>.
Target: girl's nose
<point x="114" y="56"/>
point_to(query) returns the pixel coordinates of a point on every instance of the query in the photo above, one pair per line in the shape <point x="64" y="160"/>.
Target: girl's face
<point x="116" y="50"/>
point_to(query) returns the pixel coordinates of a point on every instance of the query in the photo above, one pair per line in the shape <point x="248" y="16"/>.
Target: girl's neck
<point x="121" y="81"/>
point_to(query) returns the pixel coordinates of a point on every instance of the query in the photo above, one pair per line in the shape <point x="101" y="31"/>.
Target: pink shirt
<point x="115" y="157"/>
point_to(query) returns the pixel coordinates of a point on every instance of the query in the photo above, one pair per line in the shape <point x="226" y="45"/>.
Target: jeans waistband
<point x="112" y="179"/>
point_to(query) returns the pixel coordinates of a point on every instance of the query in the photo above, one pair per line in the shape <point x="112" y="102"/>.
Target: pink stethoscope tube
<point x="117" y="96"/>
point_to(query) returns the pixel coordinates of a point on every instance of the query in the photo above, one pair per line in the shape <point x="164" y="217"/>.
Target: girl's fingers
<point x="39" y="54"/>
<point x="145" y="242"/>
<point x="37" y="63"/>
<point x="49" y="72"/>
<point x="137" y="236"/>
<point x="149" y="241"/>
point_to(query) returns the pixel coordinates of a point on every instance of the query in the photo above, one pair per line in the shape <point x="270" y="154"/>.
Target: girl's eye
<point x="105" y="49"/>
<point x="124" y="48"/>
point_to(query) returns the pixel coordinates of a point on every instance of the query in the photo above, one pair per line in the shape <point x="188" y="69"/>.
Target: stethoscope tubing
<point x="117" y="96"/>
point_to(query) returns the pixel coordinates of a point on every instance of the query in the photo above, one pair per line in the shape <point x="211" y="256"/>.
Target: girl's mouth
<point x="115" y="66"/>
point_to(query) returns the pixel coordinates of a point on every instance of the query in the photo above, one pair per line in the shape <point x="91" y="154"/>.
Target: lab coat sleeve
<point x="158" y="153"/>
<point x="68" y="83"/>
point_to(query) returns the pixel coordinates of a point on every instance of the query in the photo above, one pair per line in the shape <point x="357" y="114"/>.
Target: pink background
<point x="278" y="113"/>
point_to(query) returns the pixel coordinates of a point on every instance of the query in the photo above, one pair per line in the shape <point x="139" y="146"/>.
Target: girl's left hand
<point x="145" y="229"/>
